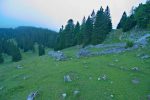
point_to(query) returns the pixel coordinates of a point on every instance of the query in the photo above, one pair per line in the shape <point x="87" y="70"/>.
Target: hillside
<point x="114" y="76"/>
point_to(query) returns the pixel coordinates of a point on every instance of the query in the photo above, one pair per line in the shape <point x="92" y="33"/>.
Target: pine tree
<point x="69" y="33"/>
<point x="99" y="32"/>
<point x="41" y="50"/>
<point x="77" y="33"/>
<point x="88" y="32"/>
<point x="129" y="24"/>
<point x="16" y="55"/>
<point x="1" y="58"/>
<point x="108" y="19"/>
<point x="93" y="17"/>
<point x="60" y="42"/>
<point x="82" y="31"/>
<point x="122" y="21"/>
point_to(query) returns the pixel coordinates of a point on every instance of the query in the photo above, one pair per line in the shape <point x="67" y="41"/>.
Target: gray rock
<point x="67" y="78"/>
<point x="32" y="95"/>
<point x="143" y="40"/>
<point x="145" y="57"/>
<point x="76" y="92"/>
<point x="135" y="81"/>
<point x="1" y="88"/>
<point x="83" y="53"/>
<point x="64" y="95"/>
<point x="135" y="69"/>
<point x="90" y="78"/>
<point x="148" y="97"/>
<point x="103" y="77"/>
<point x="57" y="55"/>
<point x="19" y="67"/>
<point x="26" y="77"/>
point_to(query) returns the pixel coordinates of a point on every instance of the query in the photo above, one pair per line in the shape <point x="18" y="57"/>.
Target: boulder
<point x="57" y="55"/>
<point x="67" y="78"/>
<point x="143" y="40"/>
<point x="32" y="95"/>
<point x="64" y="95"/>
<point x="83" y="53"/>
<point x="1" y="88"/>
<point x="135" y="81"/>
<point x="145" y="57"/>
<point x="76" y="92"/>
<point x="19" y="67"/>
<point x="148" y="97"/>
<point x="135" y="69"/>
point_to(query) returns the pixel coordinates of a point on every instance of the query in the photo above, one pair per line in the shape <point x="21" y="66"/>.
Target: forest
<point x="93" y="30"/>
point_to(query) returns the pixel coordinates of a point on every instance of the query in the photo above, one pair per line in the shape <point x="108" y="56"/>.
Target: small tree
<point x="16" y="55"/>
<point x="41" y="50"/>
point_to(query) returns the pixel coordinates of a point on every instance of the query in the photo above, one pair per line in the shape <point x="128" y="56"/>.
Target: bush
<point x="129" y="44"/>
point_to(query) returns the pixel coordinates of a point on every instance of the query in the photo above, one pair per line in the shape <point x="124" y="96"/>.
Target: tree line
<point x="25" y="38"/>
<point x="139" y="17"/>
<point x="93" y="30"/>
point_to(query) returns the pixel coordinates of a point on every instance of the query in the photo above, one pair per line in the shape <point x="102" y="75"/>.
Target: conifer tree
<point x="16" y="55"/>
<point x="82" y="31"/>
<point x="88" y="32"/>
<point x="69" y="33"/>
<point x="122" y="21"/>
<point x="41" y="50"/>
<point x="77" y="33"/>
<point x="99" y="32"/>
<point x="93" y="17"/>
<point x="108" y="19"/>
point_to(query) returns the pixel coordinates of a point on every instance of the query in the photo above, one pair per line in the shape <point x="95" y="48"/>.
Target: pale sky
<point x="54" y="13"/>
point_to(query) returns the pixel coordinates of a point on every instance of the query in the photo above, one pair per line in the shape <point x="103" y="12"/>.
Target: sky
<point x="52" y="14"/>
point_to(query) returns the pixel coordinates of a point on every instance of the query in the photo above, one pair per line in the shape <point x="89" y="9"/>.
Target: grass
<point x="46" y="75"/>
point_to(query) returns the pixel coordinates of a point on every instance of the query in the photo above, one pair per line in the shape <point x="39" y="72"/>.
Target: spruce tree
<point x="122" y="21"/>
<point x="82" y="31"/>
<point x="77" y="33"/>
<point x="93" y="17"/>
<point x="129" y="24"/>
<point x="108" y="19"/>
<point x="99" y="32"/>
<point x="16" y="55"/>
<point x="41" y="50"/>
<point x="69" y="34"/>
<point x="88" y="32"/>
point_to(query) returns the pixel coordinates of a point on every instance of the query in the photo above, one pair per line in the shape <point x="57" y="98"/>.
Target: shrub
<point x="129" y="44"/>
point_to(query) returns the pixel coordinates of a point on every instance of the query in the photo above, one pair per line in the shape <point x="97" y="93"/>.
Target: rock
<point x="90" y="78"/>
<point x="145" y="57"/>
<point x="143" y="40"/>
<point x="25" y="77"/>
<point x="148" y="97"/>
<point x="76" y="92"/>
<point x="57" y="55"/>
<point x="64" y="95"/>
<point x="67" y="78"/>
<point x="1" y="88"/>
<point x="19" y="67"/>
<point x="116" y="60"/>
<point x="83" y="53"/>
<point x="32" y="95"/>
<point x="135" y="69"/>
<point x="111" y="82"/>
<point x="135" y="81"/>
<point x="103" y="77"/>
<point x="99" y="79"/>
<point x="111" y="95"/>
